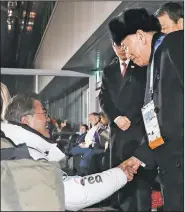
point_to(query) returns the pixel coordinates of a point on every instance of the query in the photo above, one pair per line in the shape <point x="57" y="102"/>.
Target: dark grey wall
<point x="71" y="105"/>
<point x="18" y="83"/>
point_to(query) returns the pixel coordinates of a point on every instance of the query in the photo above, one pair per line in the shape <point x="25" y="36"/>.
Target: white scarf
<point x="38" y="147"/>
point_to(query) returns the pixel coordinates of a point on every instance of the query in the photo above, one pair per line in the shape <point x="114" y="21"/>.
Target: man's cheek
<point x="128" y="53"/>
<point x="31" y="123"/>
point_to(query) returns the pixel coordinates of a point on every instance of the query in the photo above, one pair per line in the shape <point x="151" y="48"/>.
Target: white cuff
<point x="142" y="164"/>
<point x="116" y="118"/>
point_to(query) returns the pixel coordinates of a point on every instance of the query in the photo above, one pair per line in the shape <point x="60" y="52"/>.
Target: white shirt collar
<point x="121" y="61"/>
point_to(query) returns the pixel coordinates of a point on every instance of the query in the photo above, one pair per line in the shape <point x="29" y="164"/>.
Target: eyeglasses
<point x="44" y="113"/>
<point x="117" y="46"/>
<point x="121" y="47"/>
<point x="124" y="48"/>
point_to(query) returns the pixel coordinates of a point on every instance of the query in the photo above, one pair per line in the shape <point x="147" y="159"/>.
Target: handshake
<point x="130" y="167"/>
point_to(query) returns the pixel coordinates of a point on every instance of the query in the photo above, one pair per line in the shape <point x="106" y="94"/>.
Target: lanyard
<point x="157" y="44"/>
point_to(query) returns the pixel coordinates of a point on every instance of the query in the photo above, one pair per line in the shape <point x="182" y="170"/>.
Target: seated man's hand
<point x="131" y="165"/>
<point x="128" y="172"/>
<point x="123" y="122"/>
<point x="82" y="145"/>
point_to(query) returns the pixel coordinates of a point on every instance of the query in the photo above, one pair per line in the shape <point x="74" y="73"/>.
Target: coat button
<point x="165" y="138"/>
<point x="164" y="171"/>
<point x="158" y="77"/>
<point x="156" y="110"/>
<point x="178" y="164"/>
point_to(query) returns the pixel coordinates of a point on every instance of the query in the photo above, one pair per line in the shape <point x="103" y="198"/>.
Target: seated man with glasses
<point x="26" y="112"/>
<point x="27" y="123"/>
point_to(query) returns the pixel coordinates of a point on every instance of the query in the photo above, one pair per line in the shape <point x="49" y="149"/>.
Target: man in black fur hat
<point x="121" y="98"/>
<point x="163" y="110"/>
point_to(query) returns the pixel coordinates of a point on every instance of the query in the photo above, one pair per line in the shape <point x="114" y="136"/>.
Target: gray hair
<point x="175" y="11"/>
<point x="20" y="106"/>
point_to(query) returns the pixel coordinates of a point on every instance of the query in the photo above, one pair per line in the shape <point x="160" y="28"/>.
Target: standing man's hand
<point x="123" y="122"/>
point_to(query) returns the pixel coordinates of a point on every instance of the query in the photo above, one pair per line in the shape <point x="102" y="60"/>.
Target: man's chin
<point x="140" y="63"/>
<point x="45" y="133"/>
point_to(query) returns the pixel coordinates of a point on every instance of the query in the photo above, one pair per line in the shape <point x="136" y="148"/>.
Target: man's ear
<point x="181" y="23"/>
<point x="25" y="120"/>
<point x="141" y="36"/>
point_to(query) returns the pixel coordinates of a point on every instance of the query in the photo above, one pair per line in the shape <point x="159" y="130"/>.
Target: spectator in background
<point x="97" y="148"/>
<point x="65" y="126"/>
<point x="5" y="98"/>
<point x="105" y="121"/>
<point x="90" y="137"/>
<point x="59" y="123"/>
<point x="83" y="132"/>
<point x="56" y="123"/>
<point x="55" y="128"/>
<point x="171" y="17"/>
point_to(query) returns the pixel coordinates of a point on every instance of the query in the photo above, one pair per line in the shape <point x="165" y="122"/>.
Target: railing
<point x="63" y="133"/>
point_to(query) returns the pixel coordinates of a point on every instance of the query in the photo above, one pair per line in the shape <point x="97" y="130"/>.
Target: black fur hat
<point x="130" y="21"/>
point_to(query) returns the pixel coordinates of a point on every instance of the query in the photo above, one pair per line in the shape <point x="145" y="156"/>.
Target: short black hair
<point x="20" y="106"/>
<point x="102" y="114"/>
<point x="174" y="10"/>
<point x="85" y="125"/>
<point x="59" y="121"/>
<point x="130" y="21"/>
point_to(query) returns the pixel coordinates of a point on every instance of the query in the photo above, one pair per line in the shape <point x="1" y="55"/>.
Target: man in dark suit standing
<point x="163" y="110"/>
<point x="121" y="98"/>
<point x="171" y="17"/>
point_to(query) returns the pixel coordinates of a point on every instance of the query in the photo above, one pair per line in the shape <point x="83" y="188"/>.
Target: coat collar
<point x="154" y="39"/>
<point x="38" y="146"/>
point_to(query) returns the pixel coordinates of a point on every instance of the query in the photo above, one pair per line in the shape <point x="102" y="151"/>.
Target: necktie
<point x="124" y="65"/>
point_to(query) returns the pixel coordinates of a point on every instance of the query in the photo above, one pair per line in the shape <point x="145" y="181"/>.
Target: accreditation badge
<point x="152" y="126"/>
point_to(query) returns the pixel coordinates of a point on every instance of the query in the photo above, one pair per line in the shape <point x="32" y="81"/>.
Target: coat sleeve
<point x="81" y="192"/>
<point x="176" y="56"/>
<point x="105" y="101"/>
<point x="145" y="154"/>
<point x="134" y="113"/>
